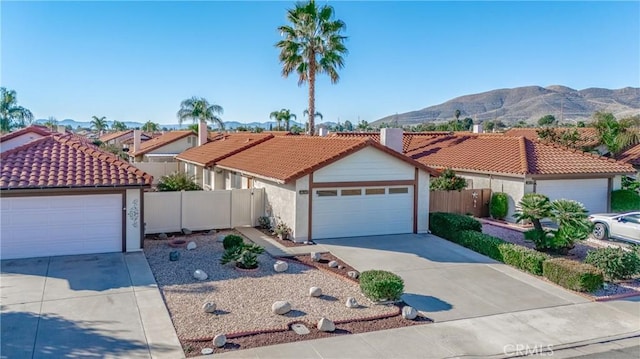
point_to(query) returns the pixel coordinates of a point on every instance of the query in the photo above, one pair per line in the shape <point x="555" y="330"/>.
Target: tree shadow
<point x="58" y="337"/>
<point x="426" y="303"/>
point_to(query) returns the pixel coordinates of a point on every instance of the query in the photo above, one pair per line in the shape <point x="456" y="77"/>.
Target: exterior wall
<point x="219" y="176"/>
<point x="423" y="202"/>
<point x="301" y="228"/>
<point x="134" y="222"/>
<point x="280" y="201"/>
<point x="617" y="183"/>
<point x="178" y="146"/>
<point x="368" y="164"/>
<point x="18" y="141"/>
<point x="514" y="187"/>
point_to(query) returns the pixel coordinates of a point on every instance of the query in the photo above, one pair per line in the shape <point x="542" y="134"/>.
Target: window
<point x="351" y="192"/>
<point x="372" y="191"/>
<point x="398" y="190"/>
<point x="327" y="193"/>
<point x="207" y="177"/>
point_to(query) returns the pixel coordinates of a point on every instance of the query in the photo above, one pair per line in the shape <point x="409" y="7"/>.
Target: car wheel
<point x="600" y="231"/>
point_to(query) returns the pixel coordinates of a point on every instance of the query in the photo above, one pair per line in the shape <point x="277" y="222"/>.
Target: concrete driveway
<point x="102" y="305"/>
<point x="448" y="281"/>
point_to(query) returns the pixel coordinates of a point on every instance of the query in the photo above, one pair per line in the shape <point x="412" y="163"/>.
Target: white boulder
<point x="199" y="274"/>
<point x="315" y="292"/>
<point x="209" y="307"/>
<point x="220" y="340"/>
<point x="192" y="245"/>
<point x="326" y="325"/>
<point x="280" y="266"/>
<point x="409" y="312"/>
<point x="281" y="307"/>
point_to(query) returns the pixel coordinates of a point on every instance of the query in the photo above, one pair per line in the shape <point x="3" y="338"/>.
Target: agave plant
<point x="244" y="255"/>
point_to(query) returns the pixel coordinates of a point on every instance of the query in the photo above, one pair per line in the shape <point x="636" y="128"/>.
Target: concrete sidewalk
<point x="539" y="331"/>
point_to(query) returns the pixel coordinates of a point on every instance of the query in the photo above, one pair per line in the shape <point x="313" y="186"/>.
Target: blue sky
<point x="135" y="61"/>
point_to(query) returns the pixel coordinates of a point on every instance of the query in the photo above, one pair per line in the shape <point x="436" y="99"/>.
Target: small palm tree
<point x="533" y="207"/>
<point x="118" y="126"/>
<point x="617" y="135"/>
<point x="99" y="123"/>
<point x="198" y="110"/>
<point x="312" y="43"/>
<point x="276" y="115"/>
<point x="51" y="123"/>
<point x="317" y="114"/>
<point x="150" y="127"/>
<point x="283" y="115"/>
<point x="12" y="115"/>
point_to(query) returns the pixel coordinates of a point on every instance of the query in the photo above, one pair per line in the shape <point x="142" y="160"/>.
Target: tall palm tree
<point x="198" y="109"/>
<point x="118" y="126"/>
<point x="312" y="44"/>
<point x="99" y="123"/>
<point x="150" y="127"/>
<point x="283" y="115"/>
<point x="12" y="115"/>
<point x="276" y="115"/>
<point x="309" y="121"/>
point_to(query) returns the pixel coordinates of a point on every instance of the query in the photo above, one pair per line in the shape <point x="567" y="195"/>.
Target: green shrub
<point x="231" y="241"/>
<point x="523" y="258"/>
<point x="381" y="285"/>
<point x="481" y="243"/>
<point x="625" y="200"/>
<point x="178" y="181"/>
<point x="245" y="255"/>
<point x="499" y="206"/>
<point x="264" y="222"/>
<point x="615" y="263"/>
<point x="448" y="181"/>
<point x="446" y="224"/>
<point x="573" y="275"/>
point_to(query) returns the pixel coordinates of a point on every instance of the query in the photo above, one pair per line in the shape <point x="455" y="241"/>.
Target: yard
<point x="244" y="298"/>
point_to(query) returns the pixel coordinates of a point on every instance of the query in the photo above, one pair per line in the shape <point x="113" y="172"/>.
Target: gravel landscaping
<point x="244" y="298"/>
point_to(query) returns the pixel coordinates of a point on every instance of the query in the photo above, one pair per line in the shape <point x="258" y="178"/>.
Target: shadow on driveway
<point x="426" y="303"/>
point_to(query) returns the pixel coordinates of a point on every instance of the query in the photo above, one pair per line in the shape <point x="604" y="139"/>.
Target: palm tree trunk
<point x="312" y="95"/>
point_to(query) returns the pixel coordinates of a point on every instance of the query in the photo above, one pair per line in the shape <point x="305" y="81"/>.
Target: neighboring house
<point x="631" y="156"/>
<point x="121" y="138"/>
<point x="324" y="187"/>
<point x="518" y="165"/>
<point x="589" y="139"/>
<point x="22" y="136"/>
<point x="163" y="148"/>
<point x="61" y="195"/>
<point x="200" y="161"/>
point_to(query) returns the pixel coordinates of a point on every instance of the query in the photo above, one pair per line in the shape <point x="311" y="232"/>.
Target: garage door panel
<point x="61" y="225"/>
<point x="593" y="193"/>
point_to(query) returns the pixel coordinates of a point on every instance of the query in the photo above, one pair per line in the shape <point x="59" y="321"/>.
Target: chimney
<point x="477" y="128"/>
<point x="61" y="129"/>
<point x="392" y="138"/>
<point x="322" y="132"/>
<point x="136" y="140"/>
<point x="202" y="133"/>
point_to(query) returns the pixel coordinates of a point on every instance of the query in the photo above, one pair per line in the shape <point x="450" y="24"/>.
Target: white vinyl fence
<point x="157" y="169"/>
<point x="200" y="210"/>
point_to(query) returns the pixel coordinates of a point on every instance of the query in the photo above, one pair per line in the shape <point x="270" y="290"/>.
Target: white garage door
<point x="60" y="225"/>
<point x="590" y="192"/>
<point x="366" y="211"/>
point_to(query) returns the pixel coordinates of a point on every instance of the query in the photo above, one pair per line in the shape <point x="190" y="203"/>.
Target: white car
<point x="622" y="226"/>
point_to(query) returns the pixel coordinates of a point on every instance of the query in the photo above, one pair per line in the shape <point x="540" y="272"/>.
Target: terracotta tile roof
<point x="161" y="141"/>
<point x="66" y="161"/>
<point x="114" y="135"/>
<point x="588" y="135"/>
<point x="510" y="155"/>
<point x="41" y="130"/>
<point x="631" y="155"/>
<point x="221" y="147"/>
<point x="407" y="139"/>
<point x="287" y="158"/>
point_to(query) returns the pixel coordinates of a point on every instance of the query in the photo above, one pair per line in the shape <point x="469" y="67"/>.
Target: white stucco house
<point x="163" y="148"/>
<point x="61" y="195"/>
<point x="325" y="187"/>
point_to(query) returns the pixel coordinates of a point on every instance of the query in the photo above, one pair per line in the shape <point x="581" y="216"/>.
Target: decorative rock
<point x="300" y="329"/>
<point x="315" y="256"/>
<point x="409" y="312"/>
<point x="280" y="266"/>
<point x="163" y="236"/>
<point x="333" y="264"/>
<point x="351" y="303"/>
<point x="174" y="256"/>
<point x="186" y="231"/>
<point x="220" y="238"/>
<point x="326" y="325"/>
<point x="209" y="307"/>
<point x="308" y="243"/>
<point x="340" y="267"/>
<point x="281" y="307"/>
<point x="199" y="274"/>
<point x="191" y="246"/>
<point x="353" y="274"/>
<point x="206" y="351"/>
<point x="213" y="231"/>
<point x="315" y="292"/>
<point x="220" y="340"/>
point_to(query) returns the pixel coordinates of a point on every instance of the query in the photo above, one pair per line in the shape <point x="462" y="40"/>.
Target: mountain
<point x="229" y="125"/>
<point x="529" y="104"/>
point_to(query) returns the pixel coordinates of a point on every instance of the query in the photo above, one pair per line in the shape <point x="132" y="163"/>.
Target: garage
<point x="593" y="193"/>
<point x="362" y="211"/>
<point x="79" y="224"/>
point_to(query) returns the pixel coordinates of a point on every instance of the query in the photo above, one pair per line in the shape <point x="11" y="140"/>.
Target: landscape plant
<point x="232" y="240"/>
<point x="199" y="110"/>
<point x="12" y="115"/>
<point x="379" y="285"/>
<point x="523" y="258"/>
<point x="625" y="200"/>
<point x="264" y="222"/>
<point x="573" y="275"/>
<point x="615" y="262"/>
<point x="447" y="224"/>
<point x="178" y="181"/>
<point x="448" y="181"/>
<point x="244" y="255"/>
<point x="499" y="205"/>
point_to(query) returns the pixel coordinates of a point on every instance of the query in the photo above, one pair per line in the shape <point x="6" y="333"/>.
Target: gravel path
<point x="244" y="299"/>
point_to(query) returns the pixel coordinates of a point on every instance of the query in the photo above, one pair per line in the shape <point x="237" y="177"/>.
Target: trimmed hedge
<point x="231" y="241"/>
<point x="446" y="224"/>
<point x="523" y="258"/>
<point x="615" y="263"/>
<point x="573" y="275"/>
<point x="499" y="205"/>
<point x="381" y="285"/>
<point x="481" y="243"/>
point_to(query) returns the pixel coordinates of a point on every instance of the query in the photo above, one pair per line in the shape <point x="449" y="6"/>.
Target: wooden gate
<point x="468" y="201"/>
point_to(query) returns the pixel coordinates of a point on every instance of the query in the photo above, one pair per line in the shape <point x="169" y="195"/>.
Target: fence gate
<point x="468" y="201"/>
